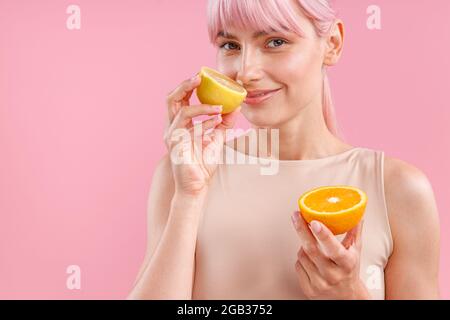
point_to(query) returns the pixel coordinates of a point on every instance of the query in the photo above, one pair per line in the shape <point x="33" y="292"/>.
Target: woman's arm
<point x="413" y="268"/>
<point x="169" y="265"/>
<point x="178" y="193"/>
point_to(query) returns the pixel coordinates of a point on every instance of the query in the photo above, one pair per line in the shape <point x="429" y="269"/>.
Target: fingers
<point x="310" y="246"/>
<point x="303" y="231"/>
<point x="180" y="96"/>
<point x="228" y="122"/>
<point x="200" y="128"/>
<point x="324" y="265"/>
<point x="306" y="262"/>
<point x="183" y="92"/>
<point x="174" y="134"/>
<point x="353" y="237"/>
<point x="350" y="238"/>
<point x="184" y="117"/>
<point x="229" y="119"/>
<point x="326" y="243"/>
<point x="303" y="278"/>
<point x="331" y="246"/>
<point x="359" y="238"/>
<point x="202" y="109"/>
<point x="316" y="281"/>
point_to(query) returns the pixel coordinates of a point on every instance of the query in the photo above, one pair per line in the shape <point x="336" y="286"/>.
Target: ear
<point x="334" y="43"/>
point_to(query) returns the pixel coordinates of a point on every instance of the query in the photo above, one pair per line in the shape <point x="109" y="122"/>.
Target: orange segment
<point x="340" y="208"/>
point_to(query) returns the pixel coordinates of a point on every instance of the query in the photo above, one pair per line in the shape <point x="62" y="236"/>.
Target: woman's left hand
<point x="327" y="268"/>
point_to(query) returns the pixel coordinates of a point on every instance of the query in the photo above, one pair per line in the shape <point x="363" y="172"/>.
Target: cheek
<point x="226" y="65"/>
<point x="300" y="74"/>
<point x="298" y="68"/>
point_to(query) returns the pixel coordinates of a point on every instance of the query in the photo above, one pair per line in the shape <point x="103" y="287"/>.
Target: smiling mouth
<point x="254" y="98"/>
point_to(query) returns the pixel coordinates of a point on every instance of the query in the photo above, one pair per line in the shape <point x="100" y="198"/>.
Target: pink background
<point x="82" y="117"/>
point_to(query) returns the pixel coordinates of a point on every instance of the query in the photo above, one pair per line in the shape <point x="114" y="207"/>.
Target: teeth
<point x="258" y="95"/>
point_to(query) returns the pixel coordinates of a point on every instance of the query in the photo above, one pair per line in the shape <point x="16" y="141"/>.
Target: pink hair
<point x="264" y="15"/>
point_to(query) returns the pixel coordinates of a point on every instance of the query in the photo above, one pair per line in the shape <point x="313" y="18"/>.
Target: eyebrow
<point x="256" y="35"/>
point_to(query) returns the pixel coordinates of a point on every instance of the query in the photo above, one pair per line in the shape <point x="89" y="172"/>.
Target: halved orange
<point x="218" y="89"/>
<point x="340" y="208"/>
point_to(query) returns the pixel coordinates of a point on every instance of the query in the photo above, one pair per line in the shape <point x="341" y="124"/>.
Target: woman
<point x="222" y="231"/>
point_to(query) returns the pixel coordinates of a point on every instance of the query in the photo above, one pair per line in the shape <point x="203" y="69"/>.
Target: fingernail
<point x="316" y="226"/>
<point x="195" y="78"/>
<point x="295" y="217"/>
<point x="218" y="108"/>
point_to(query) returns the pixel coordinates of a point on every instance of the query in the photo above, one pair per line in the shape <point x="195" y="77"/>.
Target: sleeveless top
<point x="247" y="246"/>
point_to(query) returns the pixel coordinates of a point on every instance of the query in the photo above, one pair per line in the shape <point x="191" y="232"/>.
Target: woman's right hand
<point x="194" y="153"/>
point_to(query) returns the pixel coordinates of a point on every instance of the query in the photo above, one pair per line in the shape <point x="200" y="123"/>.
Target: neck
<point x="303" y="137"/>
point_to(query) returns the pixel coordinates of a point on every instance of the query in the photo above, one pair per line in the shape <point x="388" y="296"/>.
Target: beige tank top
<point x="247" y="246"/>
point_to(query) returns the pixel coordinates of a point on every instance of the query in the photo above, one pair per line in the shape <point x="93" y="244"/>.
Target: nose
<point x="249" y="68"/>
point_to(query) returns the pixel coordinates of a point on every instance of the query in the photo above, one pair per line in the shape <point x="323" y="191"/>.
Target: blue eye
<point x="277" y="42"/>
<point x="233" y="46"/>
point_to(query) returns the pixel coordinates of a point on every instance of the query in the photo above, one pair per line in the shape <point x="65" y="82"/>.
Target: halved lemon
<point x="340" y="208"/>
<point x="218" y="89"/>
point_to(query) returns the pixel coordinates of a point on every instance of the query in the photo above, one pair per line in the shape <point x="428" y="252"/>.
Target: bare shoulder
<point x="414" y="222"/>
<point x="404" y="178"/>
<point x="409" y="198"/>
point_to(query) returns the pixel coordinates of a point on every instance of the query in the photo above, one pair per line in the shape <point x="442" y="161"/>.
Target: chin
<point x="261" y="116"/>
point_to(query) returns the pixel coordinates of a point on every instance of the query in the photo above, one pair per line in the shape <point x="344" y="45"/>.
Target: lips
<point x="257" y="96"/>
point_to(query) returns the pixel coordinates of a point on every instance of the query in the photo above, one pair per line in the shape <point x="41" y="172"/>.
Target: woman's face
<point x="276" y="61"/>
